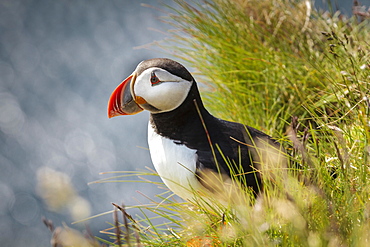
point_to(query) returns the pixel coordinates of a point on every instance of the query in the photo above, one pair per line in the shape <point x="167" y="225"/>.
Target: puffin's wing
<point x="217" y="164"/>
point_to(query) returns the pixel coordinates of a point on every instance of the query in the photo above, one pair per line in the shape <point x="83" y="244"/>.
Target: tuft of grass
<point x="261" y="60"/>
<point x="253" y="54"/>
<point x="301" y="75"/>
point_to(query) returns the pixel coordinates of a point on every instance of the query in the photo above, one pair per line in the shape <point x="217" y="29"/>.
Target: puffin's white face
<point x="151" y="87"/>
<point x="157" y="90"/>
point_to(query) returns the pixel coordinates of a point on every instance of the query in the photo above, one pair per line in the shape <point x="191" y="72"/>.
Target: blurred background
<point x="59" y="62"/>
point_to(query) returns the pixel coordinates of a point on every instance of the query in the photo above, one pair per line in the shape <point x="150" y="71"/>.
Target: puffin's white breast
<point x="175" y="164"/>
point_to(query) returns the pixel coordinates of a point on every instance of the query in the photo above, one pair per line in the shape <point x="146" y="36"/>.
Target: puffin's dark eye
<point x="154" y="79"/>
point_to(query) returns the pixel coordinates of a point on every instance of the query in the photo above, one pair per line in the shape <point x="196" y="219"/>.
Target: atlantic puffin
<point x="185" y="140"/>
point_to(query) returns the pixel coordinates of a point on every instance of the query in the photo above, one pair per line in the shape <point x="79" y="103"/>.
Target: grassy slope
<point x="265" y="62"/>
<point x="301" y="76"/>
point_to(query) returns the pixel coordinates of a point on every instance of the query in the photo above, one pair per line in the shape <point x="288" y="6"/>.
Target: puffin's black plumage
<point x="234" y="145"/>
<point x="169" y="65"/>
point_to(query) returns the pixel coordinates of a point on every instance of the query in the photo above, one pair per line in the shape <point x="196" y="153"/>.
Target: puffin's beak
<point x="121" y="101"/>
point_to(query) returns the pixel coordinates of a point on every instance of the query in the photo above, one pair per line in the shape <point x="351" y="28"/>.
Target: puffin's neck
<point x="177" y="123"/>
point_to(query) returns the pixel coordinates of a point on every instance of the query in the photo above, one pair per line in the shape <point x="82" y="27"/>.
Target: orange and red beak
<point x="121" y="101"/>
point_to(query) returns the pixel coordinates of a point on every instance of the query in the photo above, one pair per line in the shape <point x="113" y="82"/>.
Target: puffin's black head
<point x="169" y="65"/>
<point x="157" y="85"/>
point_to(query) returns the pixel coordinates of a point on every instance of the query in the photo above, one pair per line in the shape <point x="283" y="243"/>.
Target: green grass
<point x="300" y="75"/>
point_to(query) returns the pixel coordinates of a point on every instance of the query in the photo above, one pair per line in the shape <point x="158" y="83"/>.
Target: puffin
<point x="192" y="150"/>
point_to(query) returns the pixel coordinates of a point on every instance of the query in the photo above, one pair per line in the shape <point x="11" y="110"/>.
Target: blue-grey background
<point x="59" y="62"/>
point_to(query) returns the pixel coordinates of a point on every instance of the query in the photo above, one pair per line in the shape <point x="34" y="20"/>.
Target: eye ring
<point x="154" y="79"/>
